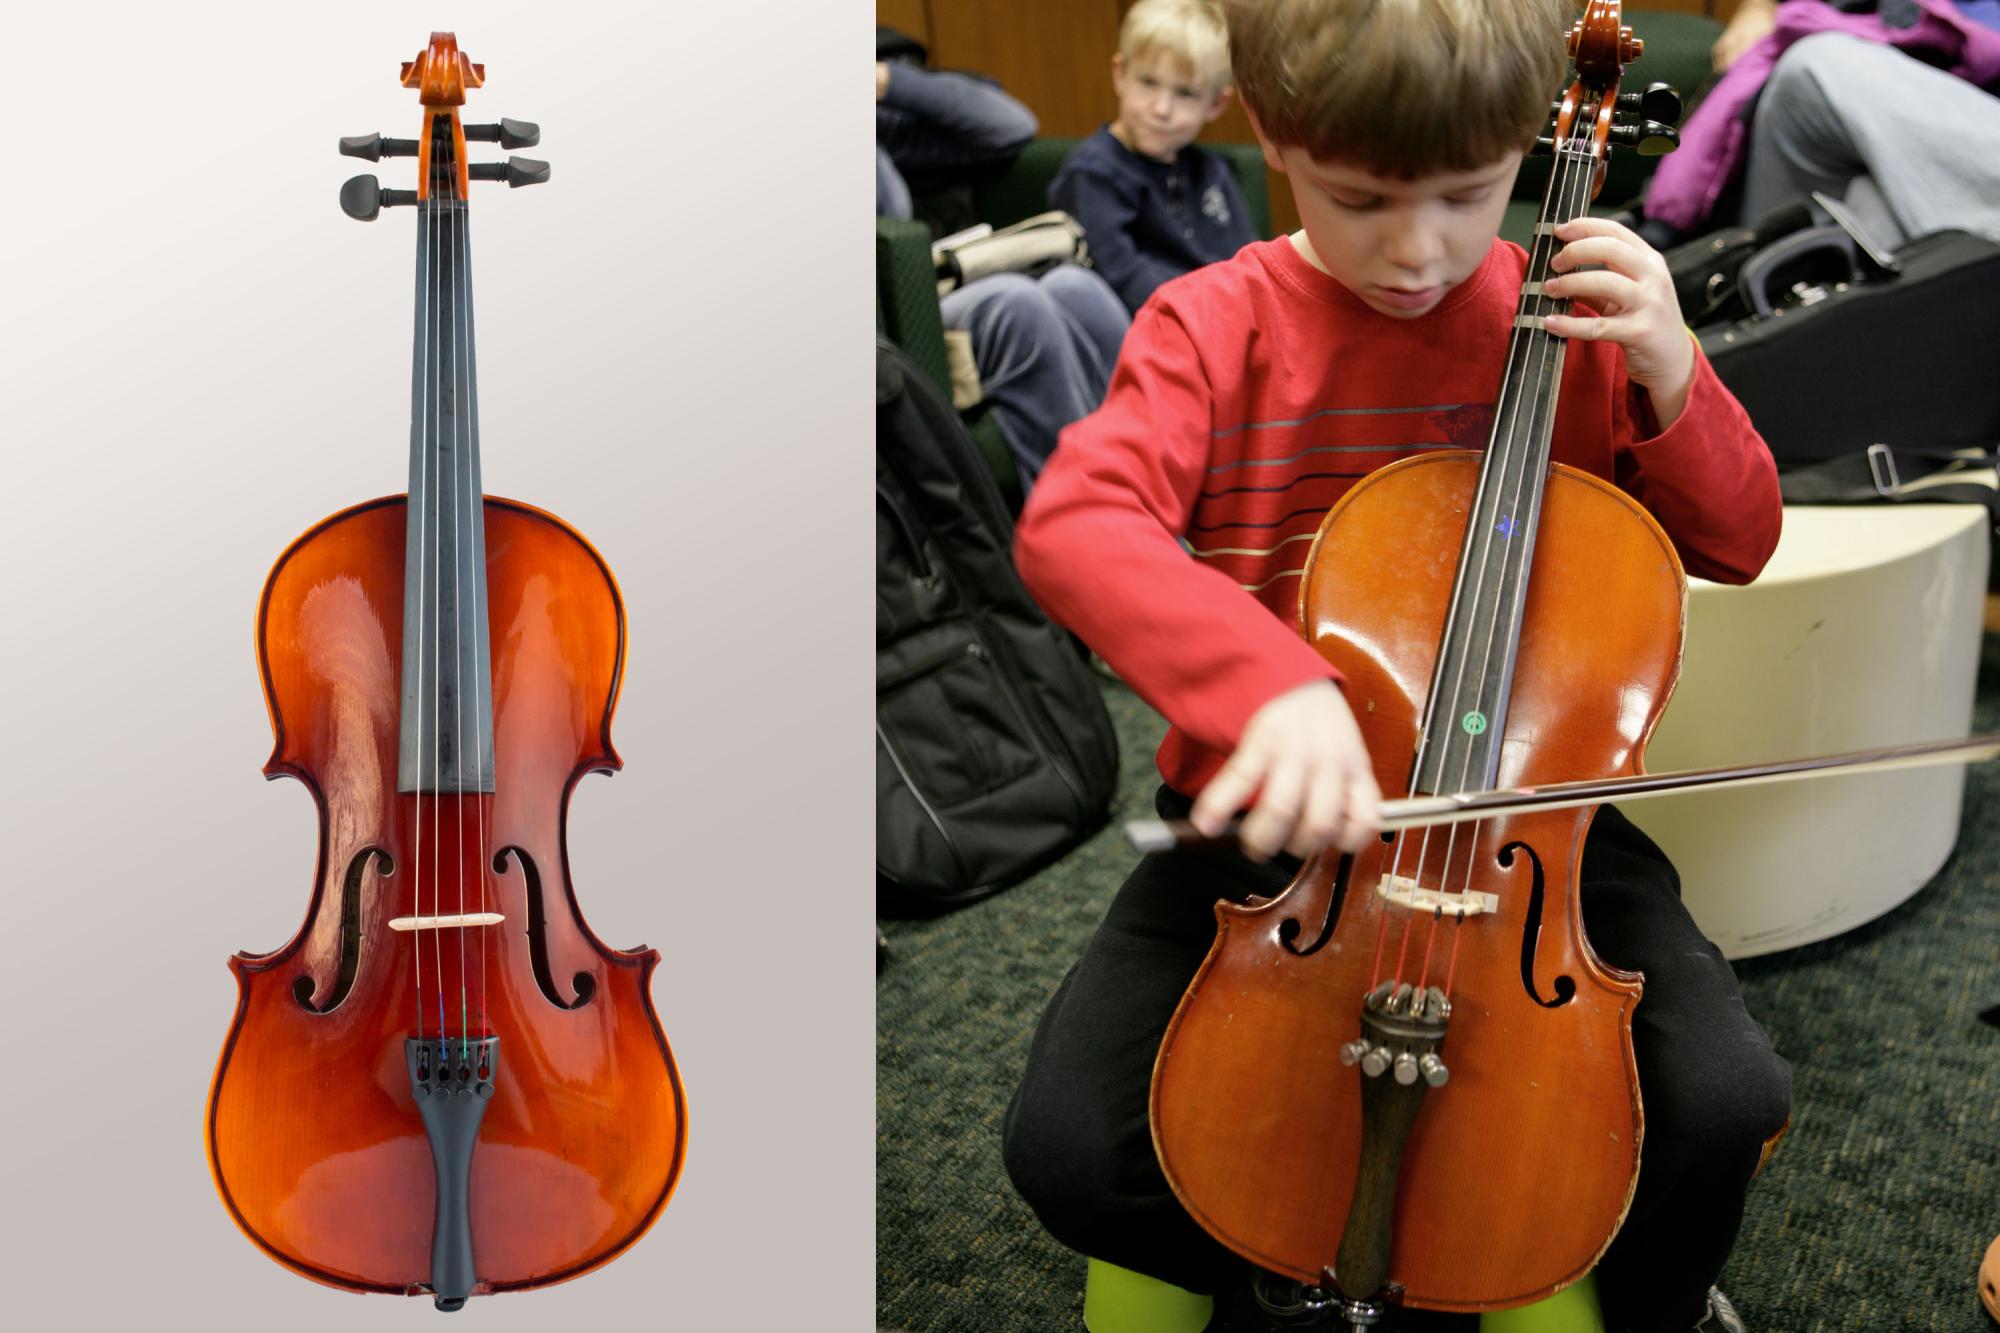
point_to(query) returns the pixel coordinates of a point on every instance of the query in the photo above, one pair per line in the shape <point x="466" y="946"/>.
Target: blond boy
<point x="1152" y="204"/>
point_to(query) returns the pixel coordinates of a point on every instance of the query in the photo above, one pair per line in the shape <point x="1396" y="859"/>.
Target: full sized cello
<point x="444" y="1084"/>
<point x="1307" y="1106"/>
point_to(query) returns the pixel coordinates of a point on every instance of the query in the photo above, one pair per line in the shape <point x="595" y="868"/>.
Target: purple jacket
<point x="1716" y="138"/>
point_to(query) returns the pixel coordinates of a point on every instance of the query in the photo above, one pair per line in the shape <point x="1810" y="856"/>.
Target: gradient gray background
<point x="202" y="357"/>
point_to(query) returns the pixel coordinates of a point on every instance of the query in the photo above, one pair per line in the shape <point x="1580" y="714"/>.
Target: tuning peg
<point x="363" y="197"/>
<point x="1544" y="147"/>
<point x="508" y="133"/>
<point x="1650" y="137"/>
<point x="516" y="171"/>
<point x="1658" y="102"/>
<point x="374" y="147"/>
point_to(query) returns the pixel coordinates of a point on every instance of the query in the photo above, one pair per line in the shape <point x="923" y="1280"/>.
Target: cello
<point x="444" y="1083"/>
<point x="1307" y="1107"/>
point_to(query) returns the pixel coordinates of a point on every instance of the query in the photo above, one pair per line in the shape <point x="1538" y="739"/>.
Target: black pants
<point x="1079" y="1149"/>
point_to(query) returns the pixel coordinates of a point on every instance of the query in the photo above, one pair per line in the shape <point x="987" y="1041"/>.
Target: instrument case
<point x="1857" y="356"/>
<point x="994" y="754"/>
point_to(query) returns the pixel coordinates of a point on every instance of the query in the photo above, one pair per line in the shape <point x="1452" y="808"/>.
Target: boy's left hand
<point x="1639" y="312"/>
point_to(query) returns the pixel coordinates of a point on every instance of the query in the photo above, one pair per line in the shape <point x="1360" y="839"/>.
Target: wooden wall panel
<point x="1055" y="55"/>
<point x="906" y="16"/>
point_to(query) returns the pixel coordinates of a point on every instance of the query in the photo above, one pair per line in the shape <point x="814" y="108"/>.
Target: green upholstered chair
<point x="906" y="299"/>
<point x="1023" y="189"/>
<point x="906" y="311"/>
<point x="1677" y="53"/>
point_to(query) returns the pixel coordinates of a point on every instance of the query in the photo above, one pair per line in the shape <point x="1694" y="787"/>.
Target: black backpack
<point x="993" y="751"/>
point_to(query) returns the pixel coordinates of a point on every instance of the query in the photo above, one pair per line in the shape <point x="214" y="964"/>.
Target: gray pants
<point x="1911" y="149"/>
<point x="1044" y="347"/>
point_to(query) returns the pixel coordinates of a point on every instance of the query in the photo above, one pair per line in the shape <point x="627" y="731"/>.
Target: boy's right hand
<point x="1318" y="788"/>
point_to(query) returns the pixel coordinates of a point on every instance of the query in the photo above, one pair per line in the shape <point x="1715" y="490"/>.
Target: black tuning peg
<point x="1658" y="102"/>
<point x="1650" y="137"/>
<point x="1545" y="146"/>
<point x="516" y="171"/>
<point x="508" y="133"/>
<point x="363" y="197"/>
<point x="374" y="147"/>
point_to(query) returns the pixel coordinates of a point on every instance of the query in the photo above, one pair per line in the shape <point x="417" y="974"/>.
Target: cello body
<point x="315" y="1140"/>
<point x="444" y="1083"/>
<point x="1518" y="1170"/>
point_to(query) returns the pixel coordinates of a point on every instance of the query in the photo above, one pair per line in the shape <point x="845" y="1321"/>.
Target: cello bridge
<point x="446" y="922"/>
<point x="1403" y="891"/>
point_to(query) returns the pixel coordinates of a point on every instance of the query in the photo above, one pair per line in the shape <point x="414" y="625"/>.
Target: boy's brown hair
<point x="1400" y="88"/>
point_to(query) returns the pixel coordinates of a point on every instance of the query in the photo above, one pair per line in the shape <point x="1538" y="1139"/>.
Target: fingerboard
<point x="447" y="695"/>
<point x="1466" y="715"/>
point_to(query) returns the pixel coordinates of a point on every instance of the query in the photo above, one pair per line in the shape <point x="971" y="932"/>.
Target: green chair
<point x="906" y="311"/>
<point x="906" y="297"/>
<point x="1022" y="190"/>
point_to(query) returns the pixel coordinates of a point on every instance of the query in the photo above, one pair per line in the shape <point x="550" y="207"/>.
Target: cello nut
<point x="1433" y="1070"/>
<point x="1352" y="1052"/>
<point x="1406" y="1069"/>
<point x="1375" y="1062"/>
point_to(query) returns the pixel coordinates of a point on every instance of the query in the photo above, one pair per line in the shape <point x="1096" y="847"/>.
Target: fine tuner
<point x="363" y="198"/>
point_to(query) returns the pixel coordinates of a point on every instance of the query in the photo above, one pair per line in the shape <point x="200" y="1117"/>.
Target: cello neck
<point x="1466" y="713"/>
<point x="446" y="734"/>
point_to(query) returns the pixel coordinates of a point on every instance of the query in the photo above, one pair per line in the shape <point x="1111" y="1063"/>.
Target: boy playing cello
<point x="1171" y="530"/>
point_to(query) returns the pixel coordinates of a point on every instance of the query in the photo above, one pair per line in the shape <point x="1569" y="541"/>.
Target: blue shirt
<point x="1149" y="221"/>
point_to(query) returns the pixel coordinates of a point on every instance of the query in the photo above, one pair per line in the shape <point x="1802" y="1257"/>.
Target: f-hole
<point x="1288" y="930"/>
<point x="1531" y="932"/>
<point x="350" y="934"/>
<point x="584" y="984"/>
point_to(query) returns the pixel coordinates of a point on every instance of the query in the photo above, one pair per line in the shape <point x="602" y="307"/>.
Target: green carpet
<point x="1873" y="1215"/>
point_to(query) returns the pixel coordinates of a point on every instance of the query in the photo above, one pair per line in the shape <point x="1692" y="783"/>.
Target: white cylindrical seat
<point x="1863" y="631"/>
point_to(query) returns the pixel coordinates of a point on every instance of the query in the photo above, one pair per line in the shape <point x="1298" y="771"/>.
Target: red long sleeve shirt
<point x="1171" y="526"/>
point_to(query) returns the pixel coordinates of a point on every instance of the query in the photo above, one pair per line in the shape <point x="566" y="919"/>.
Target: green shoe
<point x="1118" y="1300"/>
<point x="1574" y="1309"/>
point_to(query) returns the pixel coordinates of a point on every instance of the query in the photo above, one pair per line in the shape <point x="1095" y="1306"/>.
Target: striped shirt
<point x="1172" y="524"/>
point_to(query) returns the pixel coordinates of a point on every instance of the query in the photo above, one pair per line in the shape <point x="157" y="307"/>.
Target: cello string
<point x="1509" y="439"/>
<point x="455" y="210"/>
<point x="427" y="275"/>
<point x="1516" y="439"/>
<point x="1492" y="477"/>
<point x="1569" y="192"/>
<point x="423" y="528"/>
<point x="437" y="572"/>
<point x="1442" y="705"/>
<point x="476" y="559"/>
<point x="1575" y="173"/>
